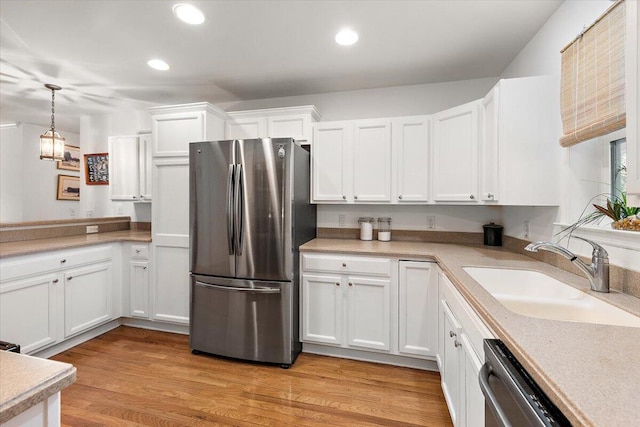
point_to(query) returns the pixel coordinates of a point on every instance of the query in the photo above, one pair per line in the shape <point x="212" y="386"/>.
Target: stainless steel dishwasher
<point x="512" y="398"/>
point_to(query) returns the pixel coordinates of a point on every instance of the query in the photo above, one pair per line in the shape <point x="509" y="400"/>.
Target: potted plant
<point x="624" y="217"/>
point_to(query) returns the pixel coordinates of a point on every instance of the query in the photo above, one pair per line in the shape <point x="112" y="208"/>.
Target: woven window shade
<point x="592" y="101"/>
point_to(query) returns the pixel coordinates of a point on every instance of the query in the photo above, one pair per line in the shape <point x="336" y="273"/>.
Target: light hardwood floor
<point x="137" y="377"/>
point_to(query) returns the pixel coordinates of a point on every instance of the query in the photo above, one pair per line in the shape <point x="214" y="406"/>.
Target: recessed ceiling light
<point x="346" y="37"/>
<point x="158" y="64"/>
<point x="188" y="13"/>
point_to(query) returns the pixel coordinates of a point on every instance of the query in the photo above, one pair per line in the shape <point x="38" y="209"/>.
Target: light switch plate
<point x="92" y="229"/>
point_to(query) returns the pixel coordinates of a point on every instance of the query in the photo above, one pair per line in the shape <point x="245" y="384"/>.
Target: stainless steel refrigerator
<point x="249" y="212"/>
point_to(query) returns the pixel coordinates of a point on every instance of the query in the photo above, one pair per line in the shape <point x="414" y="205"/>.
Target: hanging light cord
<point x="53" y="120"/>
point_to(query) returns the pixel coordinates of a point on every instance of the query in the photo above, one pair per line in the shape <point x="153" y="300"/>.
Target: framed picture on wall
<point x="96" y="168"/>
<point x="71" y="160"/>
<point x="68" y="187"/>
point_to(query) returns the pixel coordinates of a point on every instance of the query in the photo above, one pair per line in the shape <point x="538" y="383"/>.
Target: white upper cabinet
<point x="455" y="154"/>
<point x="372" y="160"/>
<point x="130" y="168"/>
<point x="330" y="166"/>
<point x="410" y="138"/>
<point x="519" y="150"/>
<point x="286" y="122"/>
<point x="175" y="126"/>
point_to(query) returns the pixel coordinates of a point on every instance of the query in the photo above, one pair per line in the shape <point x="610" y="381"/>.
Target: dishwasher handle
<point x="490" y="398"/>
<point x="261" y="290"/>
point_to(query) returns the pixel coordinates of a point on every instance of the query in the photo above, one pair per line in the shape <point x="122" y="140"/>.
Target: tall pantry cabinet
<point x="174" y="127"/>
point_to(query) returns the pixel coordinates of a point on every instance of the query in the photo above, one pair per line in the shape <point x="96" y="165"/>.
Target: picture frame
<point x="71" y="160"/>
<point x="96" y="168"/>
<point x="68" y="188"/>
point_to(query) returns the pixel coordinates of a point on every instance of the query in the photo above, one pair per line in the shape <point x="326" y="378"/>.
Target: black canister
<point x="492" y="234"/>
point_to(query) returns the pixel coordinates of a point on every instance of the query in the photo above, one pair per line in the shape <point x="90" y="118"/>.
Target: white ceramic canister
<point x="384" y="229"/>
<point x="366" y="228"/>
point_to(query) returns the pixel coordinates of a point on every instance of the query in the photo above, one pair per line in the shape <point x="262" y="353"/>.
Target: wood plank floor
<point x="137" y="377"/>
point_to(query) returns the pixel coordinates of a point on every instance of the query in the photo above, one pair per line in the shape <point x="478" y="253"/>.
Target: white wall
<point x="29" y="185"/>
<point x="94" y="135"/>
<point x="585" y="167"/>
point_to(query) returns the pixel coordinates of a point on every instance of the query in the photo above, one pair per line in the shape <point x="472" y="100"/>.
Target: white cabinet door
<point x="411" y="144"/>
<point x="369" y="313"/>
<point x="170" y="219"/>
<point x="489" y="146"/>
<point x="173" y="132"/>
<point x="124" y="168"/>
<point x="331" y="171"/>
<point x="139" y="289"/>
<point x="29" y="311"/>
<point x="296" y="126"/>
<point x="472" y="404"/>
<point x="322" y="309"/>
<point x="246" y="128"/>
<point x="418" y="308"/>
<point x="450" y="369"/>
<point x="372" y="161"/>
<point x="145" y="169"/>
<point x="455" y="154"/>
<point x="88" y="297"/>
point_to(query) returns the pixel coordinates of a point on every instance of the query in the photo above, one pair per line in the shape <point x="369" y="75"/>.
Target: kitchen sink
<point x="534" y="294"/>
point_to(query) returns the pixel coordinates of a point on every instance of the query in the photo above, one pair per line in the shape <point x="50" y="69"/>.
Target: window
<point x="618" y="167"/>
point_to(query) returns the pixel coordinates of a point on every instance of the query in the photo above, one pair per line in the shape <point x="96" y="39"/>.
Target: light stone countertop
<point x="26" y="247"/>
<point x="26" y="381"/>
<point x="590" y="371"/>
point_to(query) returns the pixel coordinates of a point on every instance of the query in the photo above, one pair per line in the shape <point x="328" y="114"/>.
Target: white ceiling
<point x="97" y="50"/>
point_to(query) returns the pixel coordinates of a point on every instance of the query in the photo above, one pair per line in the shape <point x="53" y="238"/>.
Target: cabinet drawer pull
<point x="337" y="283"/>
<point x="400" y="197"/>
<point x="490" y="196"/>
<point x="62" y="261"/>
<point x="344" y="264"/>
<point x="137" y="251"/>
<point x="457" y="343"/>
<point x="355" y="197"/>
<point x="69" y="278"/>
<point x="350" y="284"/>
<point x="452" y="334"/>
<point x="144" y="268"/>
<point x="472" y="197"/>
<point x="344" y="197"/>
<point x="55" y="281"/>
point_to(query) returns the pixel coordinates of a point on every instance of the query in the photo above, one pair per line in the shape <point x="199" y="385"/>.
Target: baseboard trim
<point x="366" y="356"/>
<point x="77" y="340"/>
<point x="155" y="326"/>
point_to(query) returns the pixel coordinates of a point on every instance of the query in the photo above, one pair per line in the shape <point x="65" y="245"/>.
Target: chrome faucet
<point x="597" y="272"/>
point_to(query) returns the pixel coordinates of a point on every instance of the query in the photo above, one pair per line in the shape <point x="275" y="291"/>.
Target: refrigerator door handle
<point x="239" y="213"/>
<point x="237" y="289"/>
<point x="230" y="191"/>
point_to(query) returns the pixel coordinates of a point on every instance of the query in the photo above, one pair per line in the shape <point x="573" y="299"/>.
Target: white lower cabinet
<point x="46" y="298"/>
<point x="29" y="311"/>
<point x="322" y="309"/>
<point x="139" y="289"/>
<point x="88" y="298"/>
<point x="368" y="312"/>
<point x="460" y="356"/>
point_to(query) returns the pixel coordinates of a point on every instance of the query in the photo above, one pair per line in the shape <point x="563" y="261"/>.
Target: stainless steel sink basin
<point x="534" y="294"/>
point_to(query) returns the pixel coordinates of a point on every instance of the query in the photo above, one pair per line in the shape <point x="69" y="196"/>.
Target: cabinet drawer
<point x="29" y="265"/>
<point x="347" y="264"/>
<point x="140" y="252"/>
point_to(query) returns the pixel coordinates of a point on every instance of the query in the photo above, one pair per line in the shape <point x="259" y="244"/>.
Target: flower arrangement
<point x="624" y="217"/>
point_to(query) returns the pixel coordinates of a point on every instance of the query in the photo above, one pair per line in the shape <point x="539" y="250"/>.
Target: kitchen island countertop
<point x="590" y="371"/>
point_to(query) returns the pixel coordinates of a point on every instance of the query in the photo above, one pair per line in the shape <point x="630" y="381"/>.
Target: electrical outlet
<point x="92" y="229"/>
<point x="431" y="222"/>
<point x="342" y="220"/>
<point x="526" y="229"/>
<point x="89" y="213"/>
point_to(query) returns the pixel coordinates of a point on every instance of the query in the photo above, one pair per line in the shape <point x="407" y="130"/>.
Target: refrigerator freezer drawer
<point x="250" y="320"/>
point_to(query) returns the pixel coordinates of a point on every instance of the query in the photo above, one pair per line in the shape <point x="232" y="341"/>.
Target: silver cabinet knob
<point x="133" y="197"/>
<point x="400" y="197"/>
<point x="62" y="261"/>
<point x="144" y="268"/>
<point x="457" y="343"/>
<point x="70" y="277"/>
<point x="472" y="197"/>
<point x="355" y="197"/>
<point x="344" y="264"/>
<point x="452" y="334"/>
<point x="337" y="283"/>
<point x="137" y="251"/>
<point x="350" y="284"/>
<point x="344" y="197"/>
<point x="489" y="195"/>
<point x="55" y="280"/>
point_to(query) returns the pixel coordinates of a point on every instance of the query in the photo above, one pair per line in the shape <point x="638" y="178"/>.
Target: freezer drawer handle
<point x="491" y="399"/>
<point x="236" y="289"/>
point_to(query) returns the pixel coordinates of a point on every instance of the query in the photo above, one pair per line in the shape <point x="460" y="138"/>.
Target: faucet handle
<point x="598" y="251"/>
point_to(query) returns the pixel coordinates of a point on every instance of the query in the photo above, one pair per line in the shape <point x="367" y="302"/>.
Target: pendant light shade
<point x="51" y="143"/>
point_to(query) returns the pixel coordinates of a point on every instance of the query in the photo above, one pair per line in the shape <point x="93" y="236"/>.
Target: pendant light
<point x="51" y="143"/>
